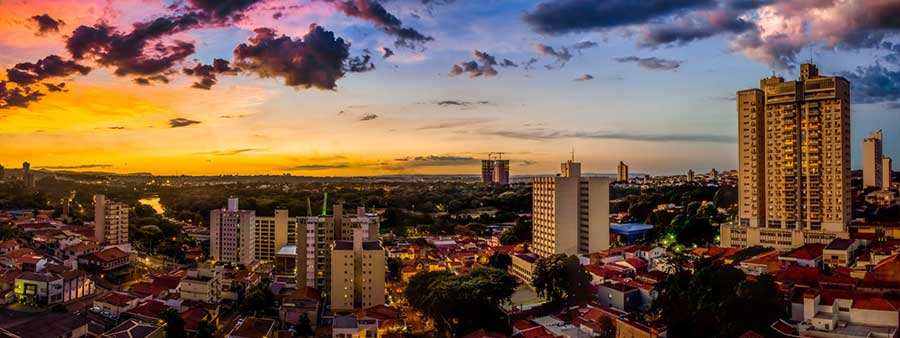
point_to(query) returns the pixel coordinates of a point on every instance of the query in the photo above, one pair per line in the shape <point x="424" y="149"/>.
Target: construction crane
<point x="498" y="154"/>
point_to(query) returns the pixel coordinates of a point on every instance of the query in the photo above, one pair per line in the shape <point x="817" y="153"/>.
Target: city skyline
<point x="603" y="86"/>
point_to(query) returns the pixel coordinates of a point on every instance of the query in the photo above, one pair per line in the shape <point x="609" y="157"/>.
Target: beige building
<point x="201" y="284"/>
<point x="522" y="267"/>
<point x="110" y="222"/>
<point x="873" y="160"/>
<point x="622" y="172"/>
<point x="273" y="233"/>
<point x="357" y="276"/>
<point x="231" y="234"/>
<point x="570" y="213"/>
<point x="794" y="162"/>
<point x="313" y="254"/>
<point x="886" y="172"/>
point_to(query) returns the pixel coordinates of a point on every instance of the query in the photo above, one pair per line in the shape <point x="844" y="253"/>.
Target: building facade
<point x="495" y="171"/>
<point x="313" y="255"/>
<point x="570" y="213"/>
<point x="887" y="172"/>
<point x="622" y="172"/>
<point x="794" y="162"/>
<point x="873" y="157"/>
<point x="231" y="234"/>
<point x="273" y="233"/>
<point x="357" y="276"/>
<point x="110" y="221"/>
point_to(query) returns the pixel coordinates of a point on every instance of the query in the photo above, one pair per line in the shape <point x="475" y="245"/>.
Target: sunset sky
<point x="418" y="86"/>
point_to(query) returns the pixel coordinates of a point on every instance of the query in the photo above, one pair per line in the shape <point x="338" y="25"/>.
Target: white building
<point x="570" y="213"/>
<point x="231" y="232"/>
<point x="111" y="222"/>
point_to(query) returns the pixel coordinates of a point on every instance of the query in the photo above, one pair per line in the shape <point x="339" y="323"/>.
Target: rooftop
<point x="131" y="329"/>
<point x="254" y="327"/>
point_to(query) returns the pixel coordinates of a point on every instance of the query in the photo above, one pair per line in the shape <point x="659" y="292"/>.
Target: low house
<point x="841" y="252"/>
<point x="619" y="295"/>
<point x="201" y="284"/>
<point x="298" y="303"/>
<point x="149" y="312"/>
<point x="831" y="313"/>
<point x="106" y="260"/>
<point x="116" y="303"/>
<point x="39" y="289"/>
<point x="253" y="327"/>
<point x="8" y="245"/>
<point x="51" y="325"/>
<point x="348" y="326"/>
<point x="808" y="255"/>
<point x="134" y="329"/>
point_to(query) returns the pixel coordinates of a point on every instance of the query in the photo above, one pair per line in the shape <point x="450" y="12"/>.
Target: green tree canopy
<point x="562" y="280"/>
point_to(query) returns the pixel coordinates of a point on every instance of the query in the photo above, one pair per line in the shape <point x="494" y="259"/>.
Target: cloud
<point x="529" y="64"/>
<point x="314" y="167"/>
<point x="55" y="87"/>
<point x="181" y="122"/>
<point x="386" y="52"/>
<point x="17" y="96"/>
<point x="541" y="134"/>
<point x="432" y="161"/>
<point x="146" y="81"/>
<point x="27" y="73"/>
<point x="223" y="9"/>
<point x="453" y="124"/>
<point x="584" y="77"/>
<point x="482" y="66"/>
<point x="80" y="166"/>
<point x="314" y="61"/>
<point x="459" y="103"/>
<point x="374" y="12"/>
<point x="587" y="44"/>
<point x="874" y="84"/>
<point x="208" y="73"/>
<point x="239" y="116"/>
<point x="228" y="152"/>
<point x="46" y="24"/>
<point x="562" y="54"/>
<point x="651" y="63"/>
<point x="567" y="16"/>
<point x="368" y="117"/>
<point x="359" y="64"/>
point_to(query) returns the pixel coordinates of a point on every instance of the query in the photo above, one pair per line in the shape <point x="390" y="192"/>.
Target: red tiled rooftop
<point x="806" y="252"/>
<point x="108" y="255"/>
<point x="524" y="324"/>
<point x="482" y="333"/>
<point x="116" y="299"/>
<point x="878" y="304"/>
<point x="150" y="309"/>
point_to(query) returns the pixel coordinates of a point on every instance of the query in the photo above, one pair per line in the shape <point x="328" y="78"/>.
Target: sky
<point x="362" y="87"/>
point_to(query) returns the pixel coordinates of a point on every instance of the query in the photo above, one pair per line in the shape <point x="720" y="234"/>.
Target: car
<point x="95" y="309"/>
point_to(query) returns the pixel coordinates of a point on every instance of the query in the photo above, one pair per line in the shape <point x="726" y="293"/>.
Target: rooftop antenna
<point x="573" y="153"/>
<point x="325" y="205"/>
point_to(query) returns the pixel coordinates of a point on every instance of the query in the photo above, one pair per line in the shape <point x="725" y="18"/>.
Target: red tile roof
<point x="878" y="304"/>
<point x="482" y="333"/>
<point x="806" y="252"/>
<point x="108" y="255"/>
<point x="150" y="309"/>
<point x="116" y="299"/>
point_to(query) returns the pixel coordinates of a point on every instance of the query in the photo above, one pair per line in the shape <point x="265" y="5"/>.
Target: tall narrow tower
<point x="873" y="160"/>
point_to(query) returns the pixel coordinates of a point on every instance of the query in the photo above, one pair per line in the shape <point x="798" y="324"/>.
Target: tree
<point x="562" y="280"/>
<point x="395" y="265"/>
<point x="500" y="260"/>
<point x="258" y="297"/>
<point x="174" y="323"/>
<point x="607" y="328"/>
<point x="303" y="328"/>
<point x="206" y="329"/>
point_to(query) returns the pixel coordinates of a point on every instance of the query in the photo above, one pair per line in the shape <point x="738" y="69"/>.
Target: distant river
<point x="153" y="202"/>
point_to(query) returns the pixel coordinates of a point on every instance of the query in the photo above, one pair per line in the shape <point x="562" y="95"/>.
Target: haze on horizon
<point x="361" y="87"/>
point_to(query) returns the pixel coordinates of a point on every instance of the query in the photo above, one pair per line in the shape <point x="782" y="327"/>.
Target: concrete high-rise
<point x="231" y="234"/>
<point x="495" y="169"/>
<point x="873" y="160"/>
<point x="27" y="175"/>
<point x="273" y="233"/>
<point x="690" y="175"/>
<point x="501" y="172"/>
<point x="794" y="162"/>
<point x="570" y="213"/>
<point x="622" y="172"/>
<point x="313" y="255"/>
<point x="887" y="172"/>
<point x="487" y="171"/>
<point x="110" y="222"/>
<point x="357" y="279"/>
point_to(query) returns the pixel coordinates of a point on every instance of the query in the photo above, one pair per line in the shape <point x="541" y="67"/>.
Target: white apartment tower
<point x="110" y="221"/>
<point x="873" y="160"/>
<point x="570" y="213"/>
<point x="794" y="162"/>
<point x="231" y="234"/>
<point x="357" y="277"/>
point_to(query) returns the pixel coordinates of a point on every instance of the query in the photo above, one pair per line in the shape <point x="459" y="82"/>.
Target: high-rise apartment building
<point x="873" y="160"/>
<point x="231" y="234"/>
<point x="110" y="222"/>
<point x="2" y="172"/>
<point x="495" y="169"/>
<point x="570" y="213"/>
<point x="622" y="172"/>
<point x="273" y="233"/>
<point x="313" y="255"/>
<point x="690" y="175"/>
<point x="794" y="162"/>
<point x="27" y="175"/>
<point x="357" y="276"/>
<point x="887" y="172"/>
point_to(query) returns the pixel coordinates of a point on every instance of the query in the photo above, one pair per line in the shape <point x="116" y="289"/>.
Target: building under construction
<point x="495" y="169"/>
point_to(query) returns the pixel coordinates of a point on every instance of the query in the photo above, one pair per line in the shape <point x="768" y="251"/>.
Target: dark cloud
<point x="28" y="73"/>
<point x="584" y="77"/>
<point x="453" y="124"/>
<point x="587" y="44"/>
<point x="540" y="134"/>
<point x="181" y="122"/>
<point x="386" y="52"/>
<point x="80" y="166"/>
<point x="207" y="73"/>
<point x="146" y="81"/>
<point x="223" y="9"/>
<point x="529" y="64"/>
<point x="359" y="64"/>
<point x="874" y="84"/>
<point x="483" y="65"/>
<point x="46" y="24"/>
<point x="652" y="63"/>
<point x="726" y="18"/>
<point x="432" y="161"/>
<point x="368" y="117"/>
<point x="234" y="116"/>
<point x="459" y="103"/>
<point x="228" y="152"/>
<point x="55" y="87"/>
<point x="277" y="15"/>
<point x="139" y="52"/>
<point x="566" y="16"/>
<point x="316" y="60"/>
<point x="17" y="96"/>
<point x="314" y="167"/>
<point x="562" y="54"/>
<point x="375" y="13"/>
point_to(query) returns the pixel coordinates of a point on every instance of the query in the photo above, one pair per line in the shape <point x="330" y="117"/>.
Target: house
<point x="194" y="316"/>
<point x="298" y="303"/>
<point x="349" y="326"/>
<point x="149" y="312"/>
<point x="39" y="289"/>
<point x="106" y="260"/>
<point x="766" y="262"/>
<point x="385" y="318"/>
<point x="253" y="327"/>
<point x="201" y="284"/>
<point x="619" y="295"/>
<point x="8" y="245"/>
<point x="51" y="325"/>
<point x="841" y="252"/>
<point x="9" y="258"/>
<point x="116" y="303"/>
<point x="482" y="333"/>
<point x="522" y="267"/>
<point x="31" y="263"/>
<point x="134" y="329"/>
<point x="808" y="255"/>
<point x="833" y="313"/>
<point x="78" y="250"/>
